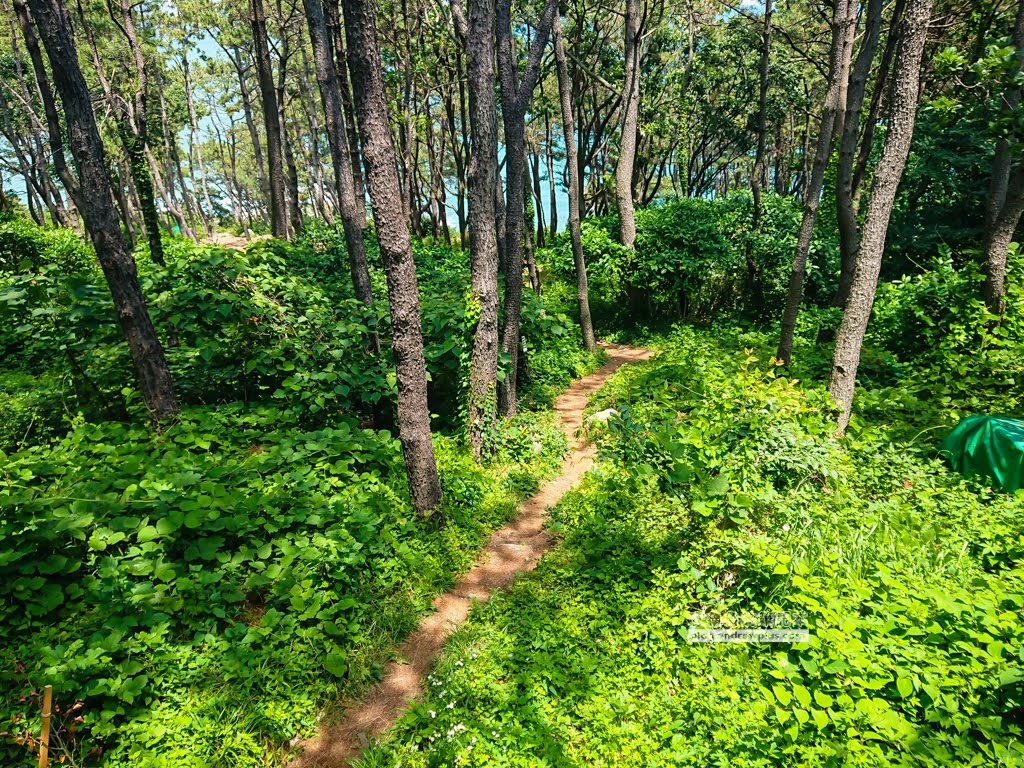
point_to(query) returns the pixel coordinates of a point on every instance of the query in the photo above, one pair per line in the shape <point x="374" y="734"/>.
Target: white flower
<point x="433" y="713"/>
<point x="785" y="527"/>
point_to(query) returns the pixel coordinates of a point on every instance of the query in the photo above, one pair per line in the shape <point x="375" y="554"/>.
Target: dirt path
<point x="512" y="550"/>
<point x="227" y="240"/>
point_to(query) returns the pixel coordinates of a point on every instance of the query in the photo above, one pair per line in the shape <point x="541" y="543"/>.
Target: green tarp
<point x="989" y="446"/>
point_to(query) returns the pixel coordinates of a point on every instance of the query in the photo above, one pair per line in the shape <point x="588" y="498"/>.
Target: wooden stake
<point x="44" y="736"/>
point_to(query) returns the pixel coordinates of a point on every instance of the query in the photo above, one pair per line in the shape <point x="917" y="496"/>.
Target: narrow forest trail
<point x="511" y="550"/>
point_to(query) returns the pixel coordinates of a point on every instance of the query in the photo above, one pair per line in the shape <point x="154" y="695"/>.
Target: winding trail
<point x="511" y="550"/>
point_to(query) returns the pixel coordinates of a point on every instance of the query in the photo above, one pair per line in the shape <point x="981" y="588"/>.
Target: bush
<point x="33" y="411"/>
<point x="26" y="246"/>
<point x="691" y="261"/>
<point x="276" y="323"/>
<point x="948" y="349"/>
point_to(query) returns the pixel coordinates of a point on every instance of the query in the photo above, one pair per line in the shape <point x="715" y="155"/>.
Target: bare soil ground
<point x="228" y="240"/>
<point x="512" y="550"/>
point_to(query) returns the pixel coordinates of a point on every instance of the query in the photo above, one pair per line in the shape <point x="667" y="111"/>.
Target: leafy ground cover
<point x="720" y="489"/>
<point x="197" y="595"/>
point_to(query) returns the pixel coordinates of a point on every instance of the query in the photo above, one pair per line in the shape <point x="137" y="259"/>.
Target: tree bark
<point x="515" y="98"/>
<point x="906" y="76"/>
<point x="846" y="192"/>
<point x="483" y="236"/>
<point x="630" y="124"/>
<point x="843" y="18"/>
<point x="396" y="252"/>
<point x="757" y="178"/>
<point x="337" y="140"/>
<point x="271" y="123"/>
<point x="572" y="171"/>
<point x="997" y="242"/>
<point x="135" y="137"/>
<point x="97" y="209"/>
<point x="1005" y="195"/>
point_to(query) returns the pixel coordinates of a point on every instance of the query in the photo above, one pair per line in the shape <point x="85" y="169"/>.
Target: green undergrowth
<point x="720" y="492"/>
<point x="198" y="595"/>
<point x="195" y="596"/>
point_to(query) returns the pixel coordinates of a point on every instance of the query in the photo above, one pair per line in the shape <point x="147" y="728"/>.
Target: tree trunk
<point x="843" y="18"/>
<point x="271" y="123"/>
<point x="135" y="137"/>
<point x="483" y="235"/>
<point x="396" y="253"/>
<point x="534" y="159"/>
<point x="630" y="120"/>
<point x="194" y="147"/>
<point x="846" y="209"/>
<point x="97" y="209"/>
<point x="997" y="242"/>
<point x="900" y="130"/>
<point x="246" y="98"/>
<point x="573" y="173"/>
<point x="515" y="98"/>
<point x="1005" y="195"/>
<point x="552" y="188"/>
<point x="344" y="180"/>
<point x="757" y="178"/>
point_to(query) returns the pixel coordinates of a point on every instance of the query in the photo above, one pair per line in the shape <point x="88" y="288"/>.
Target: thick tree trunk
<point x="900" y="130"/>
<point x="572" y="171"/>
<point x="271" y="123"/>
<point x="630" y="124"/>
<point x="483" y="235"/>
<point x="846" y="193"/>
<point x="97" y="208"/>
<point x="396" y="253"/>
<point x="344" y="180"/>
<point x="843" y="19"/>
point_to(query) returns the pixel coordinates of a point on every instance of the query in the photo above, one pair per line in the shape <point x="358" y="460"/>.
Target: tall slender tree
<point x="271" y="123"/>
<point x="396" y="252"/>
<point x="758" y="178"/>
<point x="135" y="134"/>
<point x="846" y="189"/>
<point x="516" y="90"/>
<point x="352" y="216"/>
<point x="478" y="35"/>
<point x="844" y="17"/>
<point x="572" y="172"/>
<point x="630" y="126"/>
<point x="913" y="33"/>
<point x="96" y="204"/>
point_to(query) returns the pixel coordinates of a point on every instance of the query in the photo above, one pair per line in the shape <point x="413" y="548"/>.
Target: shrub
<point x="25" y="246"/>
